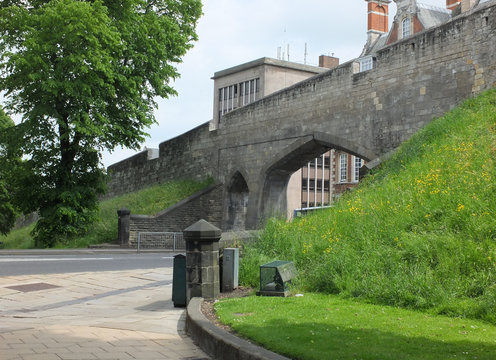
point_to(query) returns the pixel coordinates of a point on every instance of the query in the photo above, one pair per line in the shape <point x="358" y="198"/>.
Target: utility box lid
<point x="275" y="278"/>
<point x="286" y="269"/>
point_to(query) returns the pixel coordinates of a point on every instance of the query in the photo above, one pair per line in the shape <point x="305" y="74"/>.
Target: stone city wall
<point x="202" y="205"/>
<point x="189" y="156"/>
<point x="371" y="112"/>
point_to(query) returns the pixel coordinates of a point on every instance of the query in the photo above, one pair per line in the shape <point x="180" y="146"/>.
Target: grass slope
<point x="148" y="201"/>
<point x="419" y="233"/>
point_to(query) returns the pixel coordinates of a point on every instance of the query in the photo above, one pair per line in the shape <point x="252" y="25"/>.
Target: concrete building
<point x="246" y="83"/>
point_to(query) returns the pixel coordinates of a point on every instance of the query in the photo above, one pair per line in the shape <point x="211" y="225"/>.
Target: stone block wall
<point x="189" y="156"/>
<point x="205" y="204"/>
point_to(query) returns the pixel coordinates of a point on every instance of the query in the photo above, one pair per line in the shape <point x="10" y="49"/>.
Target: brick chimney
<point x="329" y="62"/>
<point x="377" y="14"/>
<point x="452" y="4"/>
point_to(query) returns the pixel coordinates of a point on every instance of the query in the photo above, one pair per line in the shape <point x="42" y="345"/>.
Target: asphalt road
<point x="41" y="263"/>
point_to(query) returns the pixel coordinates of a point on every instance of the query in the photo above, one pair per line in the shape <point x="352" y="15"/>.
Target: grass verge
<point x="148" y="201"/>
<point x="318" y="326"/>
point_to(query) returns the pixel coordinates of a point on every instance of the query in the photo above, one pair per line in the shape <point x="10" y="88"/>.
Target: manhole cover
<point x="32" y="287"/>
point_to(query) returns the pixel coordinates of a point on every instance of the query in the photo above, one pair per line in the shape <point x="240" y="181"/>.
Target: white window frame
<point x="249" y="90"/>
<point x="228" y="99"/>
<point x="358" y="164"/>
<point x="406" y="27"/>
<point x="343" y="168"/>
<point x="366" y="63"/>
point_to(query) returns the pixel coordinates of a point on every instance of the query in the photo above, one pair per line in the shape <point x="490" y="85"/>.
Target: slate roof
<point x="430" y="16"/>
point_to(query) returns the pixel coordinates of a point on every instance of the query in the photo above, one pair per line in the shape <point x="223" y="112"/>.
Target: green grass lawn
<point x="148" y="201"/>
<point x="318" y="327"/>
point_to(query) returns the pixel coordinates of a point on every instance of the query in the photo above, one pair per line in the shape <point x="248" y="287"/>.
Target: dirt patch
<point x="207" y="306"/>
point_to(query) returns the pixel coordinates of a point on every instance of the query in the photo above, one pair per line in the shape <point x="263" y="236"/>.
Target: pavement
<point x="121" y="315"/>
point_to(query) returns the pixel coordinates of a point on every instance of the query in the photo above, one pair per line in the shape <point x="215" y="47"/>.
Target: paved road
<point x="50" y="263"/>
<point x="97" y="314"/>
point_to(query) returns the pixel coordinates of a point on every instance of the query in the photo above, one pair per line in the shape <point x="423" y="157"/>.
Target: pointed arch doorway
<point x="237" y="203"/>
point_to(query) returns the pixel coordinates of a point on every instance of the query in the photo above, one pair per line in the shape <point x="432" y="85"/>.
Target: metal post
<point x="322" y="188"/>
<point x="315" y="179"/>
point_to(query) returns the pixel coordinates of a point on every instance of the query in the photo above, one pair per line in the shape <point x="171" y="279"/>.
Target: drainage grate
<point x="32" y="287"/>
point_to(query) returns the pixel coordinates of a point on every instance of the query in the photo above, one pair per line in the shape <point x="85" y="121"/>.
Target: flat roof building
<point x="246" y="83"/>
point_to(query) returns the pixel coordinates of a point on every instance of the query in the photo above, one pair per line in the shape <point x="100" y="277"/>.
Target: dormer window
<point x="405" y="27"/>
<point x="366" y="63"/>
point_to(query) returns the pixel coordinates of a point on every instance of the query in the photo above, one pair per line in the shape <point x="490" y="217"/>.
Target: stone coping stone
<point x="219" y="343"/>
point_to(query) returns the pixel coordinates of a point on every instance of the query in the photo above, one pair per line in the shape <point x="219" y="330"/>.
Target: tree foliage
<point x="8" y="212"/>
<point x="84" y="75"/>
<point x="5" y="120"/>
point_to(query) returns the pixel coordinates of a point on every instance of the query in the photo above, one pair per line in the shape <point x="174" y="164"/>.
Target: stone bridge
<point x="367" y="114"/>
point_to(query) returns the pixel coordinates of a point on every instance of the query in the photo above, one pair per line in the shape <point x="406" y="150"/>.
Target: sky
<point x="232" y="32"/>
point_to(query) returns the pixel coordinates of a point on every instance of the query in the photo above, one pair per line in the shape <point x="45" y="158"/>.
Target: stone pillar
<point x="123" y="226"/>
<point x="202" y="260"/>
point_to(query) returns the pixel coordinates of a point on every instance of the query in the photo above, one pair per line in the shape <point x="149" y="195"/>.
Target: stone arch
<point x="237" y="202"/>
<point x="275" y="175"/>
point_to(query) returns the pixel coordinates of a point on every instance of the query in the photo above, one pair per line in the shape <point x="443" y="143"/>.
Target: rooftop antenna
<point x="288" y="52"/>
<point x="305" y="55"/>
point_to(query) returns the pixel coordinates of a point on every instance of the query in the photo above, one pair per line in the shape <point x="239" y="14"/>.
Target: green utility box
<point x="275" y="278"/>
<point x="179" y="281"/>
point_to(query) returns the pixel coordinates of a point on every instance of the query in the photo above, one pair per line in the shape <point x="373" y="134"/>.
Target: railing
<point x="304" y="211"/>
<point x="163" y="240"/>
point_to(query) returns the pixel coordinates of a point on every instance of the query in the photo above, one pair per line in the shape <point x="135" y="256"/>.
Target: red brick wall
<point x="378" y="17"/>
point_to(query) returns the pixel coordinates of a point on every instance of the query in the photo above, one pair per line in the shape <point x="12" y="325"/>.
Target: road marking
<point x="62" y="259"/>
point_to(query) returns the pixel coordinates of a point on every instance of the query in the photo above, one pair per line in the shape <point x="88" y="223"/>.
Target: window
<point x="358" y="165"/>
<point x="405" y="27"/>
<point x="343" y="168"/>
<point x="250" y="91"/>
<point x="366" y="63"/>
<point x="311" y="184"/>
<point x="228" y="99"/>
<point x="327" y="162"/>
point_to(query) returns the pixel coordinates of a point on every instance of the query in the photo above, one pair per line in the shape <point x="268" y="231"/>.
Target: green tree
<point x="84" y="75"/>
<point x="8" y="212"/>
<point x="5" y="120"/>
